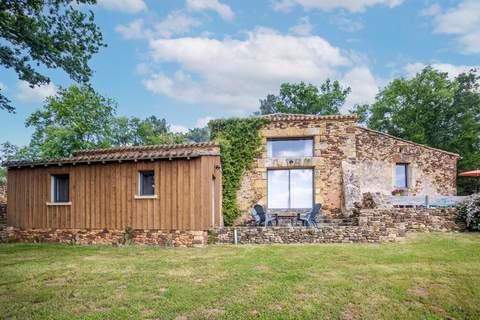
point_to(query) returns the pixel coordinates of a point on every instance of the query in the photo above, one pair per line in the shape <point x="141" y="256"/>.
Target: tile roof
<point x="300" y="117"/>
<point x="134" y="153"/>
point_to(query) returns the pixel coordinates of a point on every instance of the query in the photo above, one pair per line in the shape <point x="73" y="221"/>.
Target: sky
<point x="190" y="61"/>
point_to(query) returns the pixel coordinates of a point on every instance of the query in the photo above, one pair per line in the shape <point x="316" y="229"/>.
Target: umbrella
<point x="474" y="173"/>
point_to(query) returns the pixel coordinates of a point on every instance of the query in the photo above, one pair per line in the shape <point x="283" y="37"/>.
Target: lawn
<point x="427" y="276"/>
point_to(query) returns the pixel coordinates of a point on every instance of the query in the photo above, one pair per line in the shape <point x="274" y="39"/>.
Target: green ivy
<point x="240" y="143"/>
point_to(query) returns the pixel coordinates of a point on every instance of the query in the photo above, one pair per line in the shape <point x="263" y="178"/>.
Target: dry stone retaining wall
<point x="368" y="226"/>
<point x="374" y="225"/>
<point x="109" y="237"/>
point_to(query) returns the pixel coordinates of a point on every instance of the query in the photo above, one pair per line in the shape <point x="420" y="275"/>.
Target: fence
<point x="427" y="201"/>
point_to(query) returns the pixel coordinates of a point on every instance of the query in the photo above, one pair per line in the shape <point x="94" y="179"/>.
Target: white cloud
<point x="412" y="69"/>
<point x="345" y="23"/>
<point x="462" y="21"/>
<point x="329" y="5"/>
<point x="202" y="122"/>
<point x="128" y="6"/>
<point x="175" y="23"/>
<point x="222" y="9"/>
<point x="176" y="128"/>
<point x="35" y="94"/>
<point x="363" y="84"/>
<point x="2" y="86"/>
<point x="133" y="30"/>
<point x="235" y="73"/>
<point x="303" y="28"/>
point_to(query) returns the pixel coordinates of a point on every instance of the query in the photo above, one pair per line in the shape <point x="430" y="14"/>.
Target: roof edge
<point x="408" y="141"/>
<point x="147" y="148"/>
<point x="309" y="117"/>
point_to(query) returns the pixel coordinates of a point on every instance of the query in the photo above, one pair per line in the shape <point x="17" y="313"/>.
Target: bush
<point x="469" y="213"/>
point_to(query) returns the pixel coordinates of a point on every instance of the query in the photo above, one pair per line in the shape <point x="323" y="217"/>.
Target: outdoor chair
<point x="266" y="219"/>
<point x="255" y="216"/>
<point x="309" y="219"/>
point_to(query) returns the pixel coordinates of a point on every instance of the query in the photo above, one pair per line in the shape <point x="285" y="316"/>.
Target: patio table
<point x="292" y="217"/>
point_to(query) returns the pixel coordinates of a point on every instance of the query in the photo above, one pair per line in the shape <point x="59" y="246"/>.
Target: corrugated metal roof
<point x="134" y="153"/>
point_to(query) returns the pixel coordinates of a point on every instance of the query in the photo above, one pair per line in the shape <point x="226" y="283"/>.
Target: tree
<point x="433" y="110"/>
<point x="198" y="135"/>
<point x="76" y="118"/>
<point x="3" y="176"/>
<point x="52" y="33"/>
<point x="306" y="99"/>
<point x="135" y="131"/>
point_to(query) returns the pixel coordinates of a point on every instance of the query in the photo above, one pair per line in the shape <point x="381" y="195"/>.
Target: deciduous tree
<point x="50" y="33"/>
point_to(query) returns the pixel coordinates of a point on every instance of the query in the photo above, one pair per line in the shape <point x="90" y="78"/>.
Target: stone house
<point x="331" y="160"/>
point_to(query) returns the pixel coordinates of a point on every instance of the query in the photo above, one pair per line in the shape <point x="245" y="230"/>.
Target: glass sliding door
<point x="278" y="189"/>
<point x="290" y="189"/>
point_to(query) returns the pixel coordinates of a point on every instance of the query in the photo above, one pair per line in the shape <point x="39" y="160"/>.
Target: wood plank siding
<point x="188" y="196"/>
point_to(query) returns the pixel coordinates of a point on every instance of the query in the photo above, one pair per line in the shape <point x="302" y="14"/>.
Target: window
<point x="146" y="183"/>
<point x="291" y="148"/>
<point x="60" y="188"/>
<point x="290" y="189"/>
<point x="401" y="175"/>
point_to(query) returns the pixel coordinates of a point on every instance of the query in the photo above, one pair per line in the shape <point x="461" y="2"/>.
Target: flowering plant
<point x="469" y="213"/>
<point x="399" y="191"/>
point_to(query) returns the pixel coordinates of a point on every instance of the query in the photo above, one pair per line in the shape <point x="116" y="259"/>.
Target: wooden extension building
<point x="162" y="187"/>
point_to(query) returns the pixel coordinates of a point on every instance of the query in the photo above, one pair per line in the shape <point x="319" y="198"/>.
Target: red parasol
<point x="474" y="173"/>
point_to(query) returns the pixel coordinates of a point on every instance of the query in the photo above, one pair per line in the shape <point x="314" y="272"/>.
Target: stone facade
<point x="347" y="162"/>
<point x="431" y="171"/>
<point x="372" y="226"/>
<point x="106" y="237"/>
<point x="3" y="206"/>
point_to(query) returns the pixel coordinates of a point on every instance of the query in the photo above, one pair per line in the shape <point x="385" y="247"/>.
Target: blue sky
<point x="192" y="60"/>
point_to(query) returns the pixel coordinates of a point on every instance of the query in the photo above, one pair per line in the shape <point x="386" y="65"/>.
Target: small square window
<point x="146" y="183"/>
<point x="60" y="188"/>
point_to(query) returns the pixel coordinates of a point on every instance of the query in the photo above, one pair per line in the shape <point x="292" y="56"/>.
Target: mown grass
<point x="428" y="276"/>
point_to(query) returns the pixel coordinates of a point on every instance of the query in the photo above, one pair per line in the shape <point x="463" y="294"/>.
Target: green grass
<point x="428" y="276"/>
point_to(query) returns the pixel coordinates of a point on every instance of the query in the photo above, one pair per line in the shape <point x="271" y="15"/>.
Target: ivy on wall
<point x="240" y="143"/>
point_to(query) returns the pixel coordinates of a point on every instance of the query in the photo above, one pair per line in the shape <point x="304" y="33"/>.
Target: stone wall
<point x="106" y="237"/>
<point x="430" y="171"/>
<point x="348" y="161"/>
<point x="410" y="219"/>
<point x="334" y="141"/>
<point x="3" y="206"/>
<point x="374" y="225"/>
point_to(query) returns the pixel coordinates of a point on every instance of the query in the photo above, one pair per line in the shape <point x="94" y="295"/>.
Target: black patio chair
<point x="266" y="219"/>
<point x="310" y="218"/>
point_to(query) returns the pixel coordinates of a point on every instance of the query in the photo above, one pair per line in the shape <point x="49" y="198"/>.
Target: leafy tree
<point x="3" y="176"/>
<point x="135" y="131"/>
<point x="433" y="110"/>
<point x="12" y="152"/>
<point x="306" y="99"/>
<point x="198" y="134"/>
<point x="76" y="118"/>
<point x="52" y="33"/>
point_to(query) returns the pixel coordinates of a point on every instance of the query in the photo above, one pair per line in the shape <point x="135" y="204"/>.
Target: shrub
<point x="241" y="143"/>
<point x="469" y="213"/>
